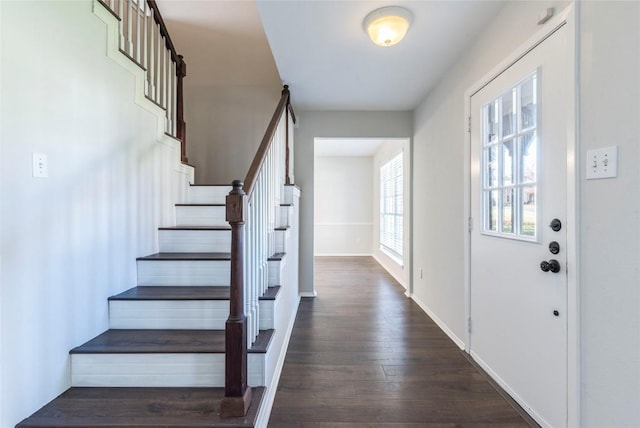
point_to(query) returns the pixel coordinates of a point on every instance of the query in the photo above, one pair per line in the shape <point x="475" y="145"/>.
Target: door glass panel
<point x="508" y="113"/>
<point x="528" y="210"/>
<point x="508" y="165"/>
<point x="529" y="161"/>
<point x="507" y="211"/>
<point x="510" y="161"/>
<point x="528" y="103"/>
<point x="491" y="121"/>
<point x="492" y="211"/>
<point x="491" y="166"/>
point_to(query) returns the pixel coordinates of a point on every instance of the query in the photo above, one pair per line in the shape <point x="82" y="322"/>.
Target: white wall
<point x="609" y="210"/>
<point x="387" y="151"/>
<point x="333" y="124"/>
<point x="69" y="241"/>
<point x="225" y="125"/>
<point x="343" y="220"/>
<point x="610" y="215"/>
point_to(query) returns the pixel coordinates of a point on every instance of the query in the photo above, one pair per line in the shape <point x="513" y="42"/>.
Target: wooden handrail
<point x="258" y="160"/>
<point x="163" y="30"/>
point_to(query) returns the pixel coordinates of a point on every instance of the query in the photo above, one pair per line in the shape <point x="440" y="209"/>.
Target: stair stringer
<point x="113" y="52"/>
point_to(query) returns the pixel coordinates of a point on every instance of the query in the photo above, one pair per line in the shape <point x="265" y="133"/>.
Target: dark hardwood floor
<point x="364" y="355"/>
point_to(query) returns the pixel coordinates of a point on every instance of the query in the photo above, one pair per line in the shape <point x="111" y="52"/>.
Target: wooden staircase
<point x="166" y="337"/>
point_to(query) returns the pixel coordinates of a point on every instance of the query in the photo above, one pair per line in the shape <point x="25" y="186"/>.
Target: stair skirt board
<point x="184" y="272"/>
<point x="201" y="215"/>
<point x="179" y="314"/>
<point x="172" y="240"/>
<point x="213" y="194"/>
<point x="162" y="370"/>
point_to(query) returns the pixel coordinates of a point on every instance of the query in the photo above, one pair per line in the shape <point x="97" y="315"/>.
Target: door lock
<point x="555" y="225"/>
<point x="551" y="266"/>
<point x="554" y="247"/>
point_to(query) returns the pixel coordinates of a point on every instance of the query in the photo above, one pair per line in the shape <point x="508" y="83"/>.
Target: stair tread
<point x="116" y="341"/>
<point x="211" y="185"/>
<point x="282" y="228"/>
<point x="277" y="257"/>
<point x="184" y="293"/>
<point x="116" y="407"/>
<point x="225" y="228"/>
<point x="187" y="256"/>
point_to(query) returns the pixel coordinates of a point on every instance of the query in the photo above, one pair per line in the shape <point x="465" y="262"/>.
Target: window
<point x="391" y="207"/>
<point x="510" y="162"/>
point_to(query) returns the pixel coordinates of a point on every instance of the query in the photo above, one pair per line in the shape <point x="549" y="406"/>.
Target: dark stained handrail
<point x="261" y="154"/>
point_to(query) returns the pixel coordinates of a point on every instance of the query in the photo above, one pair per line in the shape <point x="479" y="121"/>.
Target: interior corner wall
<point x="609" y="70"/>
<point x="387" y="151"/>
<point x="343" y="221"/>
<point x="333" y="124"/>
<point x="225" y="125"/>
<point x="71" y="240"/>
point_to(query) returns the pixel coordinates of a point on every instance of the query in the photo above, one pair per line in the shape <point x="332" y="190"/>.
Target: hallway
<point x="362" y="354"/>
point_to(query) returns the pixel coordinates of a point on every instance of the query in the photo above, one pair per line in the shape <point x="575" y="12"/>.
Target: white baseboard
<point x="343" y="255"/>
<point x="440" y="323"/>
<point x="535" y="415"/>
<point x="308" y="294"/>
<point x="267" y="401"/>
<point x="401" y="281"/>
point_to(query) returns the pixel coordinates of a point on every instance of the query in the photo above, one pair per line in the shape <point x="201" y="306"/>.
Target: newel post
<point x="237" y="393"/>
<point x="181" y="126"/>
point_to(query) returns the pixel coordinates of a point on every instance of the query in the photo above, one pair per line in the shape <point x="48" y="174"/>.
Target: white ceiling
<point x="323" y="53"/>
<point x="320" y="48"/>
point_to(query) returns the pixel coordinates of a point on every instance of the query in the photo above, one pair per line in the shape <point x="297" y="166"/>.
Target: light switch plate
<point x="602" y="163"/>
<point x="40" y="165"/>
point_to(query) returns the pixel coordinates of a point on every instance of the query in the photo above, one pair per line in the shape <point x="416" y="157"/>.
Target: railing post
<point x="285" y="91"/>
<point x="237" y="393"/>
<point x="181" y="126"/>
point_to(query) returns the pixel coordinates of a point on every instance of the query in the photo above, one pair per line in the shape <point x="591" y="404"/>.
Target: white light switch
<point x="40" y="165"/>
<point x="602" y="163"/>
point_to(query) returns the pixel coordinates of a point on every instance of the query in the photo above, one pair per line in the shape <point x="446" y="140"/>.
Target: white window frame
<point x="391" y="192"/>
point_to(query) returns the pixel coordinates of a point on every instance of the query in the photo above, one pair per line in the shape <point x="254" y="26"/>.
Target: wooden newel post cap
<point x="236" y="203"/>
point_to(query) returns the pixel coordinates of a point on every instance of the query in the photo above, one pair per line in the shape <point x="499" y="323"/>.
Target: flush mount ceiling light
<point x="388" y="25"/>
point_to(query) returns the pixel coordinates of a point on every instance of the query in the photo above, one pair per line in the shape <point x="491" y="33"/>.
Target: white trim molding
<point x="443" y="326"/>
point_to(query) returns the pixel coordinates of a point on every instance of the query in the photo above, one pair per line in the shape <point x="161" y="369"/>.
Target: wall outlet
<point x="40" y="165"/>
<point x="602" y="163"/>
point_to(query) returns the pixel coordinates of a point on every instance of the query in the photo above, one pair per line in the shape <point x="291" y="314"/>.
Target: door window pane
<point x="529" y="212"/>
<point x="510" y="161"/>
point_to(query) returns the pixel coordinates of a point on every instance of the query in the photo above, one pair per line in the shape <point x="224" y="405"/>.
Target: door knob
<point x="551" y="266"/>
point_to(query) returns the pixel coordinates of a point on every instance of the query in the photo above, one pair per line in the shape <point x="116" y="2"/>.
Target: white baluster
<point x="121" y="23"/>
<point x="129" y="48"/>
<point x="151" y="69"/>
<point x="138" y="56"/>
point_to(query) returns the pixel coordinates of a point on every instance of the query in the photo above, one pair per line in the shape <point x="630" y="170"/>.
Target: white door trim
<point x="566" y="18"/>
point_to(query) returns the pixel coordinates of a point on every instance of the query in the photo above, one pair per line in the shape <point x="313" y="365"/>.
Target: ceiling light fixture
<point x="388" y="25"/>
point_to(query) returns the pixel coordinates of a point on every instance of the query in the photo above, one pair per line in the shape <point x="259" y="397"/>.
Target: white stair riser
<point x="168" y="314"/>
<point x="275" y="271"/>
<point x="194" y="241"/>
<point x="158" y="370"/>
<point x="179" y="314"/>
<point x="184" y="272"/>
<point x="285" y="216"/>
<point x="280" y="237"/>
<point x="201" y="215"/>
<point x="208" y="194"/>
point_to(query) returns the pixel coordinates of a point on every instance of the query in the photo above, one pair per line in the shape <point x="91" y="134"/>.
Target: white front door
<point x="518" y="302"/>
